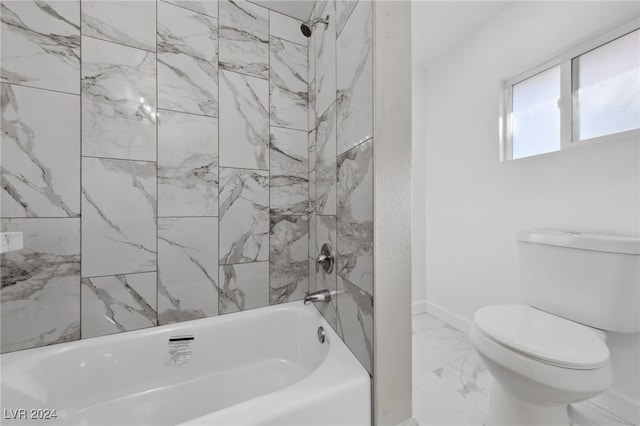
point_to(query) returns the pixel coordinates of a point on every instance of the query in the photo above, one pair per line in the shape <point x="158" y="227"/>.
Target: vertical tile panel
<point x="325" y="45"/>
<point x="244" y="216"/>
<point x="41" y="284"/>
<point x="288" y="84"/>
<point x="118" y="217"/>
<point x="355" y="317"/>
<point x="289" y="268"/>
<point x="244" y="121"/>
<point x="289" y="171"/>
<point x="244" y="38"/>
<point x="187" y="269"/>
<point x="325" y="200"/>
<point x="355" y="216"/>
<point x="325" y="228"/>
<point x="206" y="7"/>
<point x="187" y="165"/>
<point x="40" y="153"/>
<point x="118" y="101"/>
<point x="187" y="61"/>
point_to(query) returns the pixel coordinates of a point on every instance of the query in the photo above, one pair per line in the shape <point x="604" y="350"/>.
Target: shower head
<point x="307" y="27"/>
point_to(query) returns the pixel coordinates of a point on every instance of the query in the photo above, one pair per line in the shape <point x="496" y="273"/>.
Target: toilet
<point x="551" y="351"/>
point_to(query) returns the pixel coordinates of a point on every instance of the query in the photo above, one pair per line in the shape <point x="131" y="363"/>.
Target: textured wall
<point x="341" y="167"/>
<point x="155" y="156"/>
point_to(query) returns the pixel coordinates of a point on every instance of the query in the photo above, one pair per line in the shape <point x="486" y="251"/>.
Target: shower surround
<point x="154" y="154"/>
<point x="165" y="163"/>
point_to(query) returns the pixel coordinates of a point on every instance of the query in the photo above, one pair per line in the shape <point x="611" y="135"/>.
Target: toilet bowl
<point x="550" y="351"/>
<point x="541" y="364"/>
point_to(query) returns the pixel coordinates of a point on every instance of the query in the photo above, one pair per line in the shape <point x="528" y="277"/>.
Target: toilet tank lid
<point x="595" y="242"/>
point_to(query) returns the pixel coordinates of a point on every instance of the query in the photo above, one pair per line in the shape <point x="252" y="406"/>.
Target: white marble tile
<point x="40" y="295"/>
<point x="344" y="8"/>
<point x="437" y="347"/>
<point x="289" y="253"/>
<point x="288" y="84"/>
<point x="118" y="101"/>
<point x="244" y="121"/>
<point x="187" y="268"/>
<point x="244" y="286"/>
<point x="355" y="216"/>
<point x="289" y="183"/>
<point x="187" y="61"/>
<point x="355" y="78"/>
<point x="325" y="147"/>
<point x="207" y="7"/>
<point x="244" y="38"/>
<point x="287" y="28"/>
<point x="444" y="400"/>
<point x="355" y="316"/>
<point x="244" y="216"/>
<point x="187" y="165"/>
<point x="41" y="44"/>
<point x="132" y="23"/>
<point x="118" y="217"/>
<point x="312" y="234"/>
<point x="312" y="150"/>
<point x="325" y="47"/>
<point x="325" y="230"/>
<point x="118" y="303"/>
<point x="40" y="153"/>
<point x="311" y="78"/>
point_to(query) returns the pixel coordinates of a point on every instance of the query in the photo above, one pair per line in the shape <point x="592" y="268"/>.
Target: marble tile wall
<point x="155" y="154"/>
<point x="341" y="167"/>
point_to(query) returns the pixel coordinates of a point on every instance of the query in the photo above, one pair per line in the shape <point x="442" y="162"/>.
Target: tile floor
<point x="451" y="385"/>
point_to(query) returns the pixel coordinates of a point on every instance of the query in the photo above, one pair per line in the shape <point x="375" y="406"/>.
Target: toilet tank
<point x="588" y="278"/>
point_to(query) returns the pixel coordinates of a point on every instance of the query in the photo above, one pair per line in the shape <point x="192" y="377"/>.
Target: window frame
<point x="567" y="102"/>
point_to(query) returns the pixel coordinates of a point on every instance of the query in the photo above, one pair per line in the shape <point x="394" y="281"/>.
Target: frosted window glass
<point x="607" y="88"/>
<point x="535" y="117"/>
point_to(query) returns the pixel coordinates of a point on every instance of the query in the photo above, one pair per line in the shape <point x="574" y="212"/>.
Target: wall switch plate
<point x="10" y="241"/>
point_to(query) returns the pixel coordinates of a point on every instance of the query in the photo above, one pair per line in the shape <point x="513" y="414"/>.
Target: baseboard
<point x="419" y="307"/>
<point x="458" y="321"/>
<point x="619" y="404"/>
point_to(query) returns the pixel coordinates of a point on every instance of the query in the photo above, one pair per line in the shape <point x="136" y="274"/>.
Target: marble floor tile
<point x="355" y="216"/>
<point x="244" y="286"/>
<point x="244" y="216"/>
<point x="244" y="38"/>
<point x="355" y="78"/>
<point x="288" y="84"/>
<point x="118" y="303"/>
<point x="40" y="295"/>
<point x="132" y="23"/>
<point x="118" y="101"/>
<point x="244" y="121"/>
<point x="40" y="153"/>
<point x="288" y="254"/>
<point x="206" y="7"/>
<point x="187" y="268"/>
<point x="355" y="321"/>
<point x="289" y="175"/>
<point x="41" y="44"/>
<point x="187" y="61"/>
<point x="118" y="217"/>
<point x="436" y="347"/>
<point x="187" y="165"/>
<point x="423" y="322"/>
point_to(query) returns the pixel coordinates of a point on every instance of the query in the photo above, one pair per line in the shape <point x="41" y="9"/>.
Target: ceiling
<point x="438" y="26"/>
<point x="299" y="9"/>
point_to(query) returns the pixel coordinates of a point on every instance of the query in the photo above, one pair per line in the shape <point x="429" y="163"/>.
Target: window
<point x="591" y="93"/>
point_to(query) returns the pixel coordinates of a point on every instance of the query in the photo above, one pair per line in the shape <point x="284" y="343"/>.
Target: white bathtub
<point x="260" y="367"/>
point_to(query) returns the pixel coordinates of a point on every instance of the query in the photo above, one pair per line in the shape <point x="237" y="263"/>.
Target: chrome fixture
<point x="307" y="27"/>
<point x="323" y="295"/>
<point x="327" y="258"/>
<point x="321" y="335"/>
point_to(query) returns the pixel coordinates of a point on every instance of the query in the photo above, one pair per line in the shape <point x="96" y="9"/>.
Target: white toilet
<point x="552" y="352"/>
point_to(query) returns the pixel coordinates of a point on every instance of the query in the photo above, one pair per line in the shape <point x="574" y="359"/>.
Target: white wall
<point x="475" y="204"/>
<point x="418" y="204"/>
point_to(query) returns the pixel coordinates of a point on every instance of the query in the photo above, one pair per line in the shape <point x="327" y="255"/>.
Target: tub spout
<point x="317" y="296"/>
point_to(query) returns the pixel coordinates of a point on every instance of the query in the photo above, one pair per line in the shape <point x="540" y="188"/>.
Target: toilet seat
<point x="543" y="336"/>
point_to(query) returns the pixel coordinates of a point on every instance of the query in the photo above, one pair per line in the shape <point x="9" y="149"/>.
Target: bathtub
<point x="260" y="367"/>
